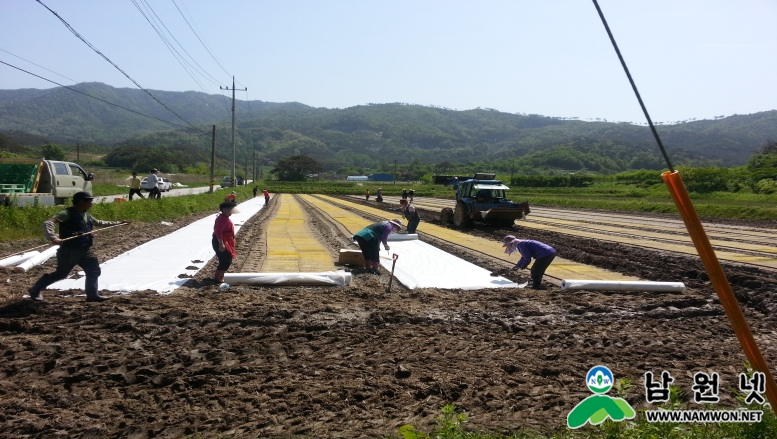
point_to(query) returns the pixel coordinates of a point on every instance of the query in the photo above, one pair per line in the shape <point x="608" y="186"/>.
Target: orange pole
<point x="719" y="281"/>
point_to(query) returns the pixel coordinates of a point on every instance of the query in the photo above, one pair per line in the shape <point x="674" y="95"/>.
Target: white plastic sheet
<point x="38" y="259"/>
<point x="334" y="278"/>
<point x="166" y="263"/>
<point x="604" y="285"/>
<point x="420" y="265"/>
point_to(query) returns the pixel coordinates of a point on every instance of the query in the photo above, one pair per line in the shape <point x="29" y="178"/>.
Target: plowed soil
<point x="355" y="361"/>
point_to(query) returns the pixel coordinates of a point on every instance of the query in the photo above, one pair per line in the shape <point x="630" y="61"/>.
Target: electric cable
<point x="112" y="63"/>
<point x="40" y="66"/>
<point x="200" y="39"/>
<point x="93" y="97"/>
<point x="181" y="59"/>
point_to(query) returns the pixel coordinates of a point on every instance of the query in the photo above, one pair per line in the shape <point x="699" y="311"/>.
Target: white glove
<point x="385" y="246"/>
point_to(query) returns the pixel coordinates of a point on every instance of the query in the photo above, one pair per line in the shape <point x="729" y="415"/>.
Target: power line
<point x="112" y="63"/>
<point x="93" y="97"/>
<point x="181" y="59"/>
<point x="178" y="57"/>
<point x="200" y="39"/>
<point x="38" y="65"/>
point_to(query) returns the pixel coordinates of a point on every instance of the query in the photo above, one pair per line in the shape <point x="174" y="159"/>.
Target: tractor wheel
<point x="446" y="216"/>
<point x="460" y="216"/>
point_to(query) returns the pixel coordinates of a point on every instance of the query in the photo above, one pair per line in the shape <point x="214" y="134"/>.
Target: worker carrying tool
<point x="75" y="246"/>
<point x="542" y="253"/>
<point x="370" y="238"/>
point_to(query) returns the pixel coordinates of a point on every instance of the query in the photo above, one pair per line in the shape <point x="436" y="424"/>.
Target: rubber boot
<point x="219" y="277"/>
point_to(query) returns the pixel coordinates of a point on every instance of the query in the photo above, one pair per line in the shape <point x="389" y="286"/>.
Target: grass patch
<point x="451" y="425"/>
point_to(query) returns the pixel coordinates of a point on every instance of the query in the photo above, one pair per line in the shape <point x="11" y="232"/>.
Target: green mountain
<point x="369" y="136"/>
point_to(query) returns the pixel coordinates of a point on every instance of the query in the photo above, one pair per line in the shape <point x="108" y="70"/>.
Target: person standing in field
<point x="134" y="185"/>
<point x="404" y="194"/>
<point x="410" y="213"/>
<point x="411" y="195"/>
<point x="379" y="195"/>
<point x="367" y="195"/>
<point x="266" y="196"/>
<point x="223" y="240"/>
<point x="75" y="246"/>
<point x="255" y="190"/>
<point x="152" y="180"/>
<point x="542" y="253"/>
<point x="369" y="239"/>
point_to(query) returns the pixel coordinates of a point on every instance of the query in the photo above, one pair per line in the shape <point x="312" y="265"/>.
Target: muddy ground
<point x="354" y="361"/>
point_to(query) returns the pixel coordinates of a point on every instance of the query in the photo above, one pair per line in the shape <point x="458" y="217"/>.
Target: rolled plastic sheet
<point x="17" y="259"/>
<point x="333" y="278"/>
<point x="605" y="285"/>
<point x="37" y="259"/>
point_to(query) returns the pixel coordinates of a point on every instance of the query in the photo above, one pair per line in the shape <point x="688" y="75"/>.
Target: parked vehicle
<point x="227" y="181"/>
<point x="26" y="182"/>
<point x="164" y="184"/>
<point x="481" y="198"/>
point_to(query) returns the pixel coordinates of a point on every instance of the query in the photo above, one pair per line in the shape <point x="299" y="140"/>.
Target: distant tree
<point x="53" y="152"/>
<point x="296" y="168"/>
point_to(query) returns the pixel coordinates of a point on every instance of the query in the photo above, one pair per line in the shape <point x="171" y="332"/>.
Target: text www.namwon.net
<point x="703" y="415"/>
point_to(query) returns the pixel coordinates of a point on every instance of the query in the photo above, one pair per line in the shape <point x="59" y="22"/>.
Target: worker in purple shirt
<point x="369" y="239"/>
<point x="542" y="253"/>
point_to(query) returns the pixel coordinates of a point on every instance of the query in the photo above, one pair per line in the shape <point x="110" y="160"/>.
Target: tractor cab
<point x="482" y="198"/>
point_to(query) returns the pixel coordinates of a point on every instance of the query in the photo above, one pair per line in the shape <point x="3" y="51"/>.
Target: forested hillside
<point x="368" y="136"/>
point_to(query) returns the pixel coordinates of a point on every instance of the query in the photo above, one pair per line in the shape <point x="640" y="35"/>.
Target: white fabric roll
<point x="605" y="285"/>
<point x="17" y="259"/>
<point x="336" y="278"/>
<point x="37" y="259"/>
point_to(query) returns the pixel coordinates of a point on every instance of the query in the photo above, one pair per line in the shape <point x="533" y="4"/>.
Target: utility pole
<point x="234" y="179"/>
<point x="212" y="158"/>
<point x="254" y="168"/>
<point x="395" y="172"/>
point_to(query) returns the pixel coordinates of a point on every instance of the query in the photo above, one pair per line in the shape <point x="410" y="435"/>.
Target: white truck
<point x="26" y="182"/>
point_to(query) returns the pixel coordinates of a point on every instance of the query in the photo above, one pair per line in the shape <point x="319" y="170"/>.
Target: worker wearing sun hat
<point x="223" y="240"/>
<point x="231" y="197"/>
<point x="542" y="253"/>
<point x="369" y="239"/>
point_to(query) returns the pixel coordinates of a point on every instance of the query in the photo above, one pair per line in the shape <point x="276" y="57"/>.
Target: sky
<point x="690" y="59"/>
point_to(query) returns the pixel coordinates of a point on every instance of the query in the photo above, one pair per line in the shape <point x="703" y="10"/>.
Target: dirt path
<point x="354" y="361"/>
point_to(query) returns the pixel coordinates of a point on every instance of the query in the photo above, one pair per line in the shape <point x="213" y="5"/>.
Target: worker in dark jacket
<point x="542" y="253"/>
<point x="75" y="246"/>
<point x="410" y="213"/>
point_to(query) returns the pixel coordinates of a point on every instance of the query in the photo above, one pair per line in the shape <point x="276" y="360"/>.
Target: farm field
<point x="358" y="361"/>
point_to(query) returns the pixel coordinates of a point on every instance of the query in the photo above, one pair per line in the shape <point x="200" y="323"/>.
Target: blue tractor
<point x="481" y="198"/>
